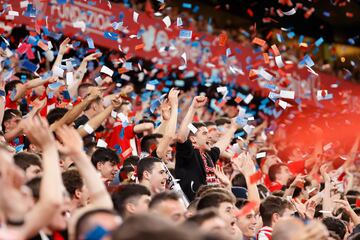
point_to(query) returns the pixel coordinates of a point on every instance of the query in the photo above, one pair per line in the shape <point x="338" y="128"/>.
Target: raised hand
<point x="219" y="172"/>
<point x="248" y="166"/>
<point x="92" y="56"/>
<point x="324" y="174"/>
<point x="71" y="142"/>
<point x="64" y="46"/>
<point x="173" y="97"/>
<point x="165" y="110"/>
<point x="199" y="101"/>
<point x="94" y="93"/>
<point x="37" y="130"/>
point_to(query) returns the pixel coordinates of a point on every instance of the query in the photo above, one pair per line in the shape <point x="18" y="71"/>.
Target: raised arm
<point x="80" y="72"/>
<point x="72" y="146"/>
<point x="327" y="204"/>
<point x="22" y="88"/>
<point x="170" y="129"/>
<point x="198" y="102"/>
<point x="51" y="187"/>
<point x="225" y="140"/>
<point x="72" y="114"/>
<point x="2" y="100"/>
<point x="248" y="169"/>
<point x="62" y="49"/>
<point x="165" y="109"/>
<point x="142" y="127"/>
<point x="96" y="121"/>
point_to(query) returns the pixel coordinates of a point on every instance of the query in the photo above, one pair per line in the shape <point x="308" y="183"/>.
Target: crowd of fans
<point x="94" y="157"/>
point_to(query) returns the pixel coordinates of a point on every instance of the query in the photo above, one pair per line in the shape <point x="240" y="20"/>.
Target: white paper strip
<point x="192" y="128"/>
<point x="107" y="71"/>
<point x="287" y="94"/>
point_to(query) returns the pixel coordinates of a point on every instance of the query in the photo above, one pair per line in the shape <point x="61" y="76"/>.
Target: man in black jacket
<point x="195" y="159"/>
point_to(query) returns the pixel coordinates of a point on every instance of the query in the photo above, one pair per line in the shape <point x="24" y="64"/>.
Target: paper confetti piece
<point x="179" y="22"/>
<point x="192" y="128"/>
<point x="185" y="34"/>
<point x="260" y="154"/>
<point x="58" y="72"/>
<point x="150" y="87"/>
<point x="55" y="85"/>
<point x="107" y="71"/>
<point x="90" y="43"/>
<point x="98" y="80"/>
<point x="29" y="66"/>
<point x="43" y="46"/>
<point x="266" y="58"/>
<point x="275" y="50"/>
<point x="69" y="78"/>
<point x="279" y="61"/>
<point x="248" y="98"/>
<point x="223" y="39"/>
<point x="80" y="24"/>
<point x="319" y="42"/>
<point x="13" y="13"/>
<point x="101" y="143"/>
<point x="187" y="5"/>
<point x="139" y="46"/>
<point x="135" y="17"/>
<point x="287" y="94"/>
<point x="167" y="21"/>
<point x="308" y="61"/>
<point x="111" y="35"/>
<point x="283" y="104"/>
<point x="24" y="4"/>
<point x="259" y="41"/>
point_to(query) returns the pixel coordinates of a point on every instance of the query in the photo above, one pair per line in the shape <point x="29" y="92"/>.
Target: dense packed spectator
<point x="111" y="159"/>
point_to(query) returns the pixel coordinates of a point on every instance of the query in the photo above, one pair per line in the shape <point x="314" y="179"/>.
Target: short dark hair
<point x="275" y="169"/>
<point x="272" y="205"/>
<point x="146" y="164"/>
<point x="201" y="216"/>
<point x="336" y="226"/>
<point x="56" y="114"/>
<point x="148" y="141"/>
<point x="25" y="160"/>
<point x="222" y="121"/>
<point x="8" y="115"/>
<point x="162" y="197"/>
<point x="204" y="188"/>
<point x="209" y="123"/>
<point x="83" y="223"/>
<point x="103" y="155"/>
<point x="239" y="180"/>
<point x="126" y="193"/>
<point x="241" y="202"/>
<point x="11" y="86"/>
<point x="148" y="226"/>
<point x="197" y="125"/>
<point x="213" y="200"/>
<point x="355" y="236"/>
<point x="72" y="180"/>
<point x="34" y="185"/>
<point x="84" y="85"/>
